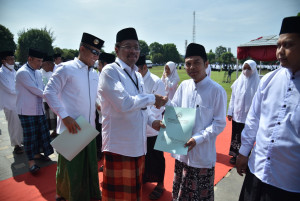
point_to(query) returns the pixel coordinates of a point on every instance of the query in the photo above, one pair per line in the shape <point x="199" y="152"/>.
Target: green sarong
<point x="78" y="180"/>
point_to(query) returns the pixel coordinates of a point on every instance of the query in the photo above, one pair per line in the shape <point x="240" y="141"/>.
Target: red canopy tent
<point x="262" y="49"/>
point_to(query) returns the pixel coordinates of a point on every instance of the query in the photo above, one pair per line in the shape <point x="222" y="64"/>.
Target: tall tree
<point x="211" y="57"/>
<point x="156" y="48"/>
<point x="39" y="39"/>
<point x="171" y="53"/>
<point x="144" y="47"/>
<point x="6" y="39"/>
<point x="219" y="51"/>
<point x="227" y="58"/>
<point x="157" y="58"/>
<point x="69" y="54"/>
<point x="57" y="50"/>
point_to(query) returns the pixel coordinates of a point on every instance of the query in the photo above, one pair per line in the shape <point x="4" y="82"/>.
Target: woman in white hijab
<point x="170" y="78"/>
<point x="243" y="90"/>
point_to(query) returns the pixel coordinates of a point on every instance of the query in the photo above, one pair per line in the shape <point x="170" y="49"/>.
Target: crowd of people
<point x="125" y="102"/>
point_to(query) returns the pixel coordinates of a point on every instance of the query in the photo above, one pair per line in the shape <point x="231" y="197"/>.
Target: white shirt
<point x="124" y="121"/>
<point x="72" y="91"/>
<point x="29" y="87"/>
<point x="46" y="75"/>
<point x="210" y="100"/>
<point x="7" y="89"/>
<point x="273" y="122"/>
<point x="154" y="85"/>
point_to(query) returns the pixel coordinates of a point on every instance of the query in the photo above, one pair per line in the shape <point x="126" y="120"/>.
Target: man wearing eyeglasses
<point x="71" y="92"/>
<point x="124" y="111"/>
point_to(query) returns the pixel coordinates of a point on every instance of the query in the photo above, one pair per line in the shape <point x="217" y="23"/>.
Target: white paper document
<point x="69" y="145"/>
<point x="179" y="126"/>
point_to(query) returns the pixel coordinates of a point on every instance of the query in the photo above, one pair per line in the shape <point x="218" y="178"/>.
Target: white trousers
<point x="14" y="127"/>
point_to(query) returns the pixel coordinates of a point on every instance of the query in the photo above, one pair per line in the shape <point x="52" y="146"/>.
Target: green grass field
<point x="215" y="75"/>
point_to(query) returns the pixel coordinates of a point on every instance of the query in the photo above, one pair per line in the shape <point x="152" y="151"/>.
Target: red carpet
<point x="42" y="187"/>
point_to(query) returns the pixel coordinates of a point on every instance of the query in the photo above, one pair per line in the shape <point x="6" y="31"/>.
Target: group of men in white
<point x="132" y="105"/>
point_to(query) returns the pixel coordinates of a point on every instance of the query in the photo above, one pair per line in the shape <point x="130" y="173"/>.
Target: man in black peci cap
<point x="194" y="173"/>
<point x="124" y="109"/>
<point x="29" y="87"/>
<point x="71" y="92"/>
<point x="272" y="130"/>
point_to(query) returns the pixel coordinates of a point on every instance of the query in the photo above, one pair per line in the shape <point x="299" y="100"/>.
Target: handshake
<point x="160" y="101"/>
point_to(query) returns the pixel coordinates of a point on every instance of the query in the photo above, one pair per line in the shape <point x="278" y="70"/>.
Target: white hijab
<point x="244" y="87"/>
<point x="173" y="79"/>
<point x="173" y="75"/>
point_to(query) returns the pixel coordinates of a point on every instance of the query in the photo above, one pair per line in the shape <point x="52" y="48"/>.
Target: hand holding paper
<point x="71" y="124"/>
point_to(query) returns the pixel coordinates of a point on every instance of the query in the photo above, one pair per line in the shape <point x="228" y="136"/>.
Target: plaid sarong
<point x="36" y="135"/>
<point x="122" y="177"/>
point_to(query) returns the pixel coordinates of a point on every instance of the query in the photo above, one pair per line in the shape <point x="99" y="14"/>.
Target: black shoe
<point x="101" y="169"/>
<point x="18" y="150"/>
<point x="34" y="169"/>
<point x="60" y="199"/>
<point x="233" y="160"/>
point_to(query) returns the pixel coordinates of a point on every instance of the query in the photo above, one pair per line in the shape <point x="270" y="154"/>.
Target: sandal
<point x="34" y="169"/>
<point x="101" y="168"/>
<point x="43" y="158"/>
<point x="156" y="193"/>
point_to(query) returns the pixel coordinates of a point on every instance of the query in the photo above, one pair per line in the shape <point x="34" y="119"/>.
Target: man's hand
<point x="229" y="117"/>
<point x="71" y="124"/>
<point x="241" y="164"/>
<point x="157" y="124"/>
<point x="191" y="144"/>
<point x="160" y="101"/>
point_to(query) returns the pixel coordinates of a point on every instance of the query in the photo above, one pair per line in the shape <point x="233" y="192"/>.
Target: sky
<point x="217" y="22"/>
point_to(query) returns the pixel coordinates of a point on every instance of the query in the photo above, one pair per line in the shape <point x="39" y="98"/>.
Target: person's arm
<point x="113" y="90"/>
<point x="249" y="132"/>
<point x="4" y="85"/>
<point x="25" y="80"/>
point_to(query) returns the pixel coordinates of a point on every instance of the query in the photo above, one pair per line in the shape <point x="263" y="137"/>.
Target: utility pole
<point x="194" y="29"/>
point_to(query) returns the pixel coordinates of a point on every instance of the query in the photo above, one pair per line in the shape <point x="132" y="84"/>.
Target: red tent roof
<point x="262" y="49"/>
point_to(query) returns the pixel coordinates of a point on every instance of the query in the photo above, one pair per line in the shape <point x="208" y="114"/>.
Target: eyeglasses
<point x="134" y="48"/>
<point x="93" y="51"/>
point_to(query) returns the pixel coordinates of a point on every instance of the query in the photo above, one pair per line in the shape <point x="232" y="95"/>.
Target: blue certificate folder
<point x="69" y="145"/>
<point x="179" y="124"/>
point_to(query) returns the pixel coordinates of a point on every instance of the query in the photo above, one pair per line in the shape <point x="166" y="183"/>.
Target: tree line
<point x="42" y="40"/>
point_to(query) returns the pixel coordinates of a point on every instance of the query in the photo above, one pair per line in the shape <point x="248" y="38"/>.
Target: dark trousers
<point x="99" y="137"/>
<point x="255" y="190"/>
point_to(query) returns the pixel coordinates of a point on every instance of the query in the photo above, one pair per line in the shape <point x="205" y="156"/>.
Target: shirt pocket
<point x="205" y="116"/>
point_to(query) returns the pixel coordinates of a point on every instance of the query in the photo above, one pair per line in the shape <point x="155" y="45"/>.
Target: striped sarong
<point x="122" y="177"/>
<point x="36" y="135"/>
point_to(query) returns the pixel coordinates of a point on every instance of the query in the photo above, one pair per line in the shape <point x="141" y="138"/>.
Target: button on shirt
<point x="124" y="121"/>
<point x="274" y="123"/>
<point x="210" y="101"/>
<point x="154" y="85"/>
<point x="72" y="91"/>
<point x="7" y="89"/>
<point x="29" y="88"/>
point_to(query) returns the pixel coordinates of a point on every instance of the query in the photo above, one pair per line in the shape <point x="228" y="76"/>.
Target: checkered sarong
<point x="122" y="177"/>
<point x="36" y="135"/>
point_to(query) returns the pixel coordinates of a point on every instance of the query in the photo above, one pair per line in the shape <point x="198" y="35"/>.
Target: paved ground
<point x="227" y="189"/>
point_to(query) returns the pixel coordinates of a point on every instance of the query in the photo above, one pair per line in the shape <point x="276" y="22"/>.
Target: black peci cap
<point x="141" y="60"/>
<point x="126" y="34"/>
<point x="194" y="49"/>
<point x="92" y="40"/>
<point x="36" y="53"/>
<point x="56" y="55"/>
<point x="290" y="25"/>
<point x="5" y="54"/>
<point x="48" y="58"/>
<point x="106" y="57"/>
